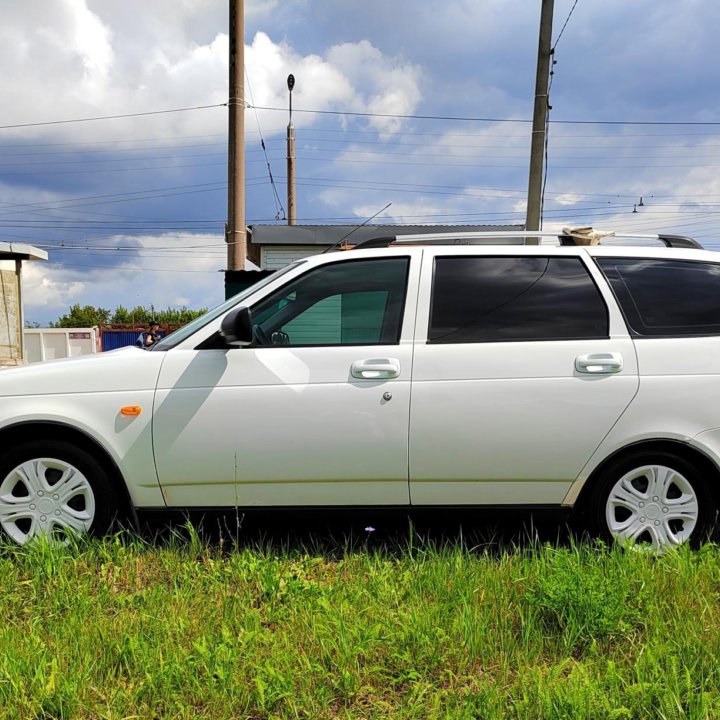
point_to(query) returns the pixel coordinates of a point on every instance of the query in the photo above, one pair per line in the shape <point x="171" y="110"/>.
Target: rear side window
<point x="666" y="298"/>
<point x="503" y="299"/>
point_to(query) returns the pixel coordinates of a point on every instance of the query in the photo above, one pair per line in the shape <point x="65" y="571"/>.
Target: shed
<point x="274" y="246"/>
<point x="12" y="256"/>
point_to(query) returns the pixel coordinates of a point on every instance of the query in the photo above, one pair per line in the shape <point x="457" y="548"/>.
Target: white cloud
<point x="164" y="272"/>
<point x="102" y="62"/>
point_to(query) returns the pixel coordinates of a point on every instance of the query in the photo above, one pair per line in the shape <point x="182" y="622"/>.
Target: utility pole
<point x="291" y="158"/>
<point x="537" y="146"/>
<point x="235" y="231"/>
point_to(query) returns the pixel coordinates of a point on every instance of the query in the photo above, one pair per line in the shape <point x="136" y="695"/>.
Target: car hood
<point x="115" y="371"/>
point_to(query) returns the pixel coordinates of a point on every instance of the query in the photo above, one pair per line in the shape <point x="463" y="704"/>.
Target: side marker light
<point x="130" y="410"/>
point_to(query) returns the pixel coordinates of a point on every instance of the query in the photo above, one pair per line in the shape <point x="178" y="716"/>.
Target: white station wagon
<point x="427" y="371"/>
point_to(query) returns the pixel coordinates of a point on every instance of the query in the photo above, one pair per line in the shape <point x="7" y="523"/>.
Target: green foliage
<point x="120" y="628"/>
<point x="143" y="315"/>
<point x="78" y="316"/>
<point x="90" y="316"/>
<point x="585" y="601"/>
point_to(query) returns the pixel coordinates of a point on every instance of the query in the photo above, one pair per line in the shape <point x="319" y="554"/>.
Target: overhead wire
<point x="494" y="120"/>
<point x="280" y="210"/>
<point x="567" y="20"/>
<point x="111" y="117"/>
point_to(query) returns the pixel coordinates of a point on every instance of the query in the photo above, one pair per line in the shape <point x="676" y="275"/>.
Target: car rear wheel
<point x="655" y="501"/>
<point x="54" y="489"/>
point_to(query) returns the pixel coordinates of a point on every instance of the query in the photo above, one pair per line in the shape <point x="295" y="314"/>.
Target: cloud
<point x="384" y="85"/>
<point x="104" y="62"/>
<point x="156" y="270"/>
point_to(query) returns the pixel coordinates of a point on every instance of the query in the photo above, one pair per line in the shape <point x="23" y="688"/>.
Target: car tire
<point x="654" y="500"/>
<point x="56" y="489"/>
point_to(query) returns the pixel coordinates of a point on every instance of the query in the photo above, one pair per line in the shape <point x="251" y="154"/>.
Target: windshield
<point x="186" y="331"/>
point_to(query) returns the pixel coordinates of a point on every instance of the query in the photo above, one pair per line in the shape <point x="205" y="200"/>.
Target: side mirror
<point x="236" y="328"/>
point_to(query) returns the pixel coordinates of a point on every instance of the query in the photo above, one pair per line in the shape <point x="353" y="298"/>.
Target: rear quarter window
<point x="666" y="298"/>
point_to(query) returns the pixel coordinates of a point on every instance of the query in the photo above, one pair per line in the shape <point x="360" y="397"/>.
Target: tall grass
<point x="122" y="629"/>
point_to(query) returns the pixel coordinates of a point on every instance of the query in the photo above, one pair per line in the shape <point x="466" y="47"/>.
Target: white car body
<point x="491" y="423"/>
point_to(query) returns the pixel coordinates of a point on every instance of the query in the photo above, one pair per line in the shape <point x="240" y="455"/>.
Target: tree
<point x="87" y="316"/>
<point x="90" y="316"/>
<point x="143" y="315"/>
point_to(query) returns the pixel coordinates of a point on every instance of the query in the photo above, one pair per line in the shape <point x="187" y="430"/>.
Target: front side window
<point x="355" y="302"/>
<point x="175" y="338"/>
<point x="666" y="298"/>
<point x="504" y="299"/>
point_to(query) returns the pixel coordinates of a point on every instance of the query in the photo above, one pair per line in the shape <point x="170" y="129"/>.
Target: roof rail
<point x="525" y="237"/>
<point x="680" y="241"/>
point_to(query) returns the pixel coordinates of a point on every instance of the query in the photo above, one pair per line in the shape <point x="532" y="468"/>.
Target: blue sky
<point x="131" y="209"/>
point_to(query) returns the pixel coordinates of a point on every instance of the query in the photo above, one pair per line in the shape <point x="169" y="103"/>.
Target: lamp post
<point x="291" y="158"/>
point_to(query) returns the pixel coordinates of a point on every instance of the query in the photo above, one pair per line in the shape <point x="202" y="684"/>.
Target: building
<point x="273" y="246"/>
<point x="12" y="256"/>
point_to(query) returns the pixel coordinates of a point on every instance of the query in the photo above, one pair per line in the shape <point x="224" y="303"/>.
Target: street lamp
<point x="291" y="157"/>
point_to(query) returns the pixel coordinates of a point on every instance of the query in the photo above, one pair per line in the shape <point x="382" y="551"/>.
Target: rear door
<point x="522" y="366"/>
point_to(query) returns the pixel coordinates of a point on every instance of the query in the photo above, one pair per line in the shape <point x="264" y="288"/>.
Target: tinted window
<point x="495" y="299"/>
<point x="358" y="302"/>
<point x="666" y="297"/>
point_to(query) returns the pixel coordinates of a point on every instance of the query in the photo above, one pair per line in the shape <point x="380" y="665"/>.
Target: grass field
<point x="123" y="628"/>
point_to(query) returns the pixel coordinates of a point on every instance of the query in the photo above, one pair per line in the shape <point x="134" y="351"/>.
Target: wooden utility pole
<point x="537" y="146"/>
<point x="235" y="232"/>
<point x="292" y="216"/>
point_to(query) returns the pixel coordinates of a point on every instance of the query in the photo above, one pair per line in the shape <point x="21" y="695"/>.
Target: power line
<point x="111" y="117"/>
<point x="280" y="210"/>
<point x="562" y="30"/>
<point x="126" y="269"/>
<point x="492" y="120"/>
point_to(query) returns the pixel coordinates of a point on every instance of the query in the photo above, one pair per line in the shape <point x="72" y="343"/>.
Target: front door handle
<point x="375" y="369"/>
<point x="599" y="363"/>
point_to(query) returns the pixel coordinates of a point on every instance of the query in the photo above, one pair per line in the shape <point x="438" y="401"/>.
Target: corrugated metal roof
<point x="12" y="251"/>
<point x="353" y="234"/>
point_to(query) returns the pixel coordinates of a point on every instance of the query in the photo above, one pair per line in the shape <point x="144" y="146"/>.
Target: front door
<point x="314" y="412"/>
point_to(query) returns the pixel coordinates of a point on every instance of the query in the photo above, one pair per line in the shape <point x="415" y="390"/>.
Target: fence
<point x="120" y="335"/>
<point x="51" y="343"/>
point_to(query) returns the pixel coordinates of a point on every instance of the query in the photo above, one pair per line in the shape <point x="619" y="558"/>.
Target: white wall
<point x="51" y="343"/>
<point x="274" y="258"/>
<point x="10" y="314"/>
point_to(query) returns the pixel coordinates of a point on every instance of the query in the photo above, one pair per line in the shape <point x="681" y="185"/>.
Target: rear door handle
<point x="599" y="363"/>
<point x="375" y="369"/>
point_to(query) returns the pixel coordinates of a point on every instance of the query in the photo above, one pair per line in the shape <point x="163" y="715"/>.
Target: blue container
<point x="114" y="339"/>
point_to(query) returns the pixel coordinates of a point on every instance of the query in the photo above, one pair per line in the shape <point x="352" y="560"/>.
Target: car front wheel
<point x="54" y="489"/>
<point x="654" y="500"/>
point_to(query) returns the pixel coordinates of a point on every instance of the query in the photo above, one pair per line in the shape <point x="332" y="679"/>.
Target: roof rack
<point x="527" y="237"/>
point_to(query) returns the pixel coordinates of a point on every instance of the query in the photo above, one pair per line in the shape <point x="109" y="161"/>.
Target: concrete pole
<point x="292" y="216"/>
<point x="235" y="234"/>
<point x="537" y="146"/>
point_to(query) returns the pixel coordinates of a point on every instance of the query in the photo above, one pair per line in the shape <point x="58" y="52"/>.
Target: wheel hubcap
<point x="652" y="505"/>
<point x="45" y="496"/>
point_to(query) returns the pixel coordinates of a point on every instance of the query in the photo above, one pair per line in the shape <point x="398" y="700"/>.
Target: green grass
<point x="125" y="629"/>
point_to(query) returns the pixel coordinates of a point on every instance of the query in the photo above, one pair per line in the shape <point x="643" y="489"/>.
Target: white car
<point x="439" y="371"/>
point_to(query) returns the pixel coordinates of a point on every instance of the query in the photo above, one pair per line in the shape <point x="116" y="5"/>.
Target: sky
<point x="395" y="102"/>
